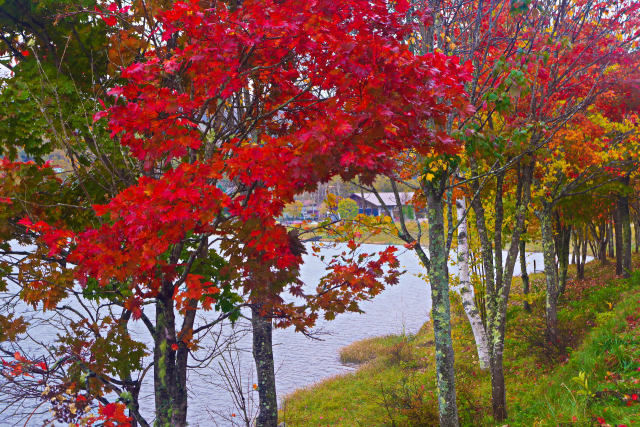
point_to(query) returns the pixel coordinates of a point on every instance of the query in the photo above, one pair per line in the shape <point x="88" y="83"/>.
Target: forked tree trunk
<point x="440" y="307"/>
<point x="498" y="276"/>
<point x="265" y="370"/>
<point x="466" y="288"/>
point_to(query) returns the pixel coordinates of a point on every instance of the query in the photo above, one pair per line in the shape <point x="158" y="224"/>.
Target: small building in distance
<point x="369" y="204"/>
<point x="310" y="210"/>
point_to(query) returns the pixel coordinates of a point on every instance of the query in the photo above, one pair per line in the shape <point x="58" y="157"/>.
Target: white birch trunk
<point x="466" y="289"/>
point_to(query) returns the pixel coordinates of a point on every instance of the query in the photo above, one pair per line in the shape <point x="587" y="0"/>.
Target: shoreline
<point x="392" y="362"/>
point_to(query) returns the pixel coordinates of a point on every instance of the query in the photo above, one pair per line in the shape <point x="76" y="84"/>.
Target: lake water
<point x="301" y="361"/>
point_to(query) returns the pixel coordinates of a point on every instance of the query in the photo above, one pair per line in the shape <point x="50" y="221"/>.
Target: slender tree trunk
<point x="263" y="356"/>
<point x="550" y="272"/>
<point x="574" y="253"/>
<point x="133" y="387"/>
<point x="498" y="390"/>
<point x="577" y="245"/>
<point x="636" y="230"/>
<point x="610" y="240"/>
<point x="440" y="308"/>
<point x="562" y="250"/>
<point x="618" y="240"/>
<point x="134" y="408"/>
<point x="585" y="246"/>
<point x="466" y="289"/>
<point x="603" y="240"/>
<point x="562" y="273"/>
<point x="624" y="218"/>
<point x="524" y="275"/>
<point x="581" y="250"/>
<point x="181" y="399"/>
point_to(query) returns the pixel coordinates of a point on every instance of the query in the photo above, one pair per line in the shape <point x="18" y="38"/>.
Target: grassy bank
<point x="591" y="379"/>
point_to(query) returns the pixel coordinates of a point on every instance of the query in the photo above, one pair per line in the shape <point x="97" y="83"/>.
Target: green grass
<point x="396" y="383"/>
<point x="597" y="383"/>
<point x="369" y="349"/>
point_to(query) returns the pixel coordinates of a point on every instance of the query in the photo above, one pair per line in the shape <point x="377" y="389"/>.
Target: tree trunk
<point x="581" y="251"/>
<point x="498" y="277"/>
<point x="524" y="275"/>
<point x="625" y="225"/>
<point x="498" y="388"/>
<point x="636" y="230"/>
<point x="165" y="381"/>
<point x="603" y="240"/>
<point x="466" y="289"/>
<point x="131" y="386"/>
<point x="440" y="308"/>
<point x="618" y="239"/>
<point x="550" y="273"/>
<point x="263" y="356"/>
<point x="492" y="302"/>
<point x="170" y="358"/>
<point x="610" y="240"/>
<point x="585" y="246"/>
<point x="563" y="244"/>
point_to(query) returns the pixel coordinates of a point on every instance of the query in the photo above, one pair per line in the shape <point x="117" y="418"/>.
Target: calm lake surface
<point x="300" y="361"/>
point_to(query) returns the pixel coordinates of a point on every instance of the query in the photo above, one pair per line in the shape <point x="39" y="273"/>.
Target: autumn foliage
<point x="209" y="117"/>
<point x="273" y="98"/>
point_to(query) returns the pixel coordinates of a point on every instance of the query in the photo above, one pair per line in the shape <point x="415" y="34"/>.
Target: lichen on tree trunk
<point x="550" y="273"/>
<point x="440" y="307"/>
<point x="170" y="362"/>
<point x="164" y="362"/>
<point x="263" y="357"/>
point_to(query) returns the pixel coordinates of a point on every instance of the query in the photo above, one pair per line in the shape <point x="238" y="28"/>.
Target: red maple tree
<point x="241" y="109"/>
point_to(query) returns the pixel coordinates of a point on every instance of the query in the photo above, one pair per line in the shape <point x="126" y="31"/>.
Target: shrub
<point x="347" y="209"/>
